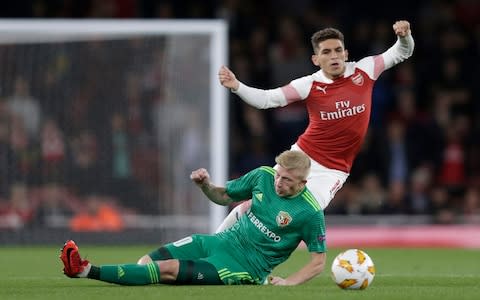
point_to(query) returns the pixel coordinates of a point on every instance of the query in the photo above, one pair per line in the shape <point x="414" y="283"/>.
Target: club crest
<point x="357" y="79"/>
<point x="283" y="219"/>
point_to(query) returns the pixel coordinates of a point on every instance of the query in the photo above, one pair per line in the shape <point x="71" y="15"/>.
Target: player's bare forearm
<point x="310" y="270"/>
<point x="216" y="194"/>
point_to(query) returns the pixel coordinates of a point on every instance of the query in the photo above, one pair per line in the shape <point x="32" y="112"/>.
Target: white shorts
<point x="323" y="182"/>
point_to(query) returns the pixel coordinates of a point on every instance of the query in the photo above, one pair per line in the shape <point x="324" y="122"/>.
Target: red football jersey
<point x="339" y="110"/>
<point x="339" y="114"/>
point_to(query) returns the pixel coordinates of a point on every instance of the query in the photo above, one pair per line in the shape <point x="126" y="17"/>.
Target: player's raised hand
<point x="402" y="28"/>
<point x="200" y="176"/>
<point x="227" y="78"/>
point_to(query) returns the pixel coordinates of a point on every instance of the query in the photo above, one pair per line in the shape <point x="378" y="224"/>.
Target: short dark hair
<point x="326" y="34"/>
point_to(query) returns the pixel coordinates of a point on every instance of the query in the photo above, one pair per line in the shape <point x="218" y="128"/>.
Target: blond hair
<point x="295" y="160"/>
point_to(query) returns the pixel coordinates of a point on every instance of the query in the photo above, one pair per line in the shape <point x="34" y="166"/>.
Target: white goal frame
<point x="27" y="31"/>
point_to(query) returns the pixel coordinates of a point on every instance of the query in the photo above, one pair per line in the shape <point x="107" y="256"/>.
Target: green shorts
<point x="201" y="248"/>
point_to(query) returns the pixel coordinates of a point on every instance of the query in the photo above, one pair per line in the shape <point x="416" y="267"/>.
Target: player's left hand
<point x="402" y="28"/>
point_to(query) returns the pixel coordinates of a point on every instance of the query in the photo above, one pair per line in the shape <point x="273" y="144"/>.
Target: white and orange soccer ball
<point x="353" y="269"/>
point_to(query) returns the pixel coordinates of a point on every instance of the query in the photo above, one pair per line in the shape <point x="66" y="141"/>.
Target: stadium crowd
<point x="421" y="157"/>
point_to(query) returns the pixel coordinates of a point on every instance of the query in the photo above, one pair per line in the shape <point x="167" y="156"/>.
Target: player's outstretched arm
<point x="310" y="270"/>
<point x="258" y="98"/>
<point x="400" y="51"/>
<point x="216" y="194"/>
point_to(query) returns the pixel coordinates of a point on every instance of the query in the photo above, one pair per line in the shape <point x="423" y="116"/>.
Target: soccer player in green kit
<point x="282" y="214"/>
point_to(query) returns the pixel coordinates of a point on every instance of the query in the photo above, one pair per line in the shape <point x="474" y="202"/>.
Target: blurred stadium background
<point x="87" y="135"/>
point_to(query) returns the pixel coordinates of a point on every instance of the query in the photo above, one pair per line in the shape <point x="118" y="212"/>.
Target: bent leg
<point x="172" y="271"/>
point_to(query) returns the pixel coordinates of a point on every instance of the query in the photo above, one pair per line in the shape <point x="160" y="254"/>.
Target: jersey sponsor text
<point x="342" y="112"/>
<point x="264" y="229"/>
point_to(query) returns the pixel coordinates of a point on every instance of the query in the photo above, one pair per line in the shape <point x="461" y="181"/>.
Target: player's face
<point x="288" y="182"/>
<point x="330" y="57"/>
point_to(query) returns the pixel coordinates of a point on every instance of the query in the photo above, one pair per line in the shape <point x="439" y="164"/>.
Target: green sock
<point x="131" y="274"/>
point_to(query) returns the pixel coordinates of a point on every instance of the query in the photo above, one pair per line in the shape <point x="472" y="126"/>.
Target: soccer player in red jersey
<point x="338" y="99"/>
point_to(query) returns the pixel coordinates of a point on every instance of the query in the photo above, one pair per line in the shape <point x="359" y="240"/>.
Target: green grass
<point x="34" y="273"/>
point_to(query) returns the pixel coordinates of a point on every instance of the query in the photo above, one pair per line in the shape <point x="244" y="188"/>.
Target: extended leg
<point x="171" y="271"/>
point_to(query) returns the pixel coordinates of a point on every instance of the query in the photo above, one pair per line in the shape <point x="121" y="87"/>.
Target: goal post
<point x="166" y="69"/>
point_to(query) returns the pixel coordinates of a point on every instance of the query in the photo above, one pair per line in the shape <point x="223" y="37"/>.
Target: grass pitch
<point x="35" y="273"/>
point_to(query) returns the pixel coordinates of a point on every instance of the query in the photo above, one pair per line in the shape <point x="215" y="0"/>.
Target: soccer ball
<point x="353" y="269"/>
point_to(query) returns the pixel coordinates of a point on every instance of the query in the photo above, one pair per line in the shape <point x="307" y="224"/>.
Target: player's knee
<point x="146" y="259"/>
<point x="168" y="270"/>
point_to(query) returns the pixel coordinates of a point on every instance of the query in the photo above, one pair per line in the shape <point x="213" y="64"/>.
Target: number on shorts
<point x="183" y="241"/>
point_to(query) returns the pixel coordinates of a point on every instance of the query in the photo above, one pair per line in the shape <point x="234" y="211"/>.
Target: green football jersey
<point x="272" y="228"/>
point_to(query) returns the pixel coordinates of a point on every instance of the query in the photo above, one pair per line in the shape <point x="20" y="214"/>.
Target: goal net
<point x="100" y="117"/>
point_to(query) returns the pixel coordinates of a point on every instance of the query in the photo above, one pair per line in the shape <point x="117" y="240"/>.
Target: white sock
<point x="233" y="216"/>
<point x="85" y="271"/>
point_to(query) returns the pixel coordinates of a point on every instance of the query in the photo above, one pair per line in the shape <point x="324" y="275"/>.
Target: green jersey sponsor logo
<point x="264" y="229"/>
